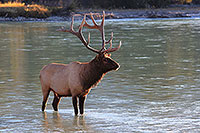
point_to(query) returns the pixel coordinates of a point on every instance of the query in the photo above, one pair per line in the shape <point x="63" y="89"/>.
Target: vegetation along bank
<point x="61" y="10"/>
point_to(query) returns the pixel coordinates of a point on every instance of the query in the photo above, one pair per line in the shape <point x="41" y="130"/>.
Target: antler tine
<point x="99" y="27"/>
<point x="71" y="28"/>
<point x="82" y="23"/>
<point x="110" y="49"/>
<point x="95" y="26"/>
<point x="80" y="35"/>
<point x="102" y="22"/>
<point x="83" y="39"/>
<point x="94" y="22"/>
<point x="110" y="41"/>
<point x="72" y="24"/>
<point x="111" y="38"/>
<point x="63" y="29"/>
<point x="102" y="32"/>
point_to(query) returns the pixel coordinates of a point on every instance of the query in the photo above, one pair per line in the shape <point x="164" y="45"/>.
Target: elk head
<point x="103" y="60"/>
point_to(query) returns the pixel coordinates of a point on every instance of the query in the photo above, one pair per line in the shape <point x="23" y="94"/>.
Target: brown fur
<point x="74" y="79"/>
<point x="95" y="71"/>
<point x="91" y="75"/>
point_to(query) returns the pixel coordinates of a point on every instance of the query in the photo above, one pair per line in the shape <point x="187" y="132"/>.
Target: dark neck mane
<point x="90" y="75"/>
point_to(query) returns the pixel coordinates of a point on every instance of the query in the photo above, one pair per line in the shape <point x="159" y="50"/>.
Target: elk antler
<point x="101" y="29"/>
<point x="95" y="26"/>
<point x="80" y="35"/>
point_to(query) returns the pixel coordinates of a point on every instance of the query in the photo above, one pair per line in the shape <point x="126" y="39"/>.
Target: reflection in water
<point x="156" y="89"/>
<point x="15" y="50"/>
<point x="54" y="122"/>
<point x="16" y="56"/>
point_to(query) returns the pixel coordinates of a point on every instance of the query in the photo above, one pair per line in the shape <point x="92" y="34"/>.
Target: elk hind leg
<point x="56" y="101"/>
<point x="45" y="97"/>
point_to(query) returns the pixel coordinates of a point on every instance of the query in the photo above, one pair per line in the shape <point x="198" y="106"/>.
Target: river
<point x="156" y="89"/>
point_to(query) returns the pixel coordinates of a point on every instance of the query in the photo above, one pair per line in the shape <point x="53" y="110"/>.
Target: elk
<point x="76" y="79"/>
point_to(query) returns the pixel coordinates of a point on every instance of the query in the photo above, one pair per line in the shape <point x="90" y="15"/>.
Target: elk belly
<point x="60" y="86"/>
<point x="63" y="92"/>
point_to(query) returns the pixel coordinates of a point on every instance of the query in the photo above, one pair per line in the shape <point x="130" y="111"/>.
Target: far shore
<point x="180" y="12"/>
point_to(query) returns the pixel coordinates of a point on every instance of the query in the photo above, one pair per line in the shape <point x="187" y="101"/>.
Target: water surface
<point x="156" y="88"/>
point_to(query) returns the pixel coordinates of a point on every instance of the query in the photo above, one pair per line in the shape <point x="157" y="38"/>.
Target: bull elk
<point x="76" y="79"/>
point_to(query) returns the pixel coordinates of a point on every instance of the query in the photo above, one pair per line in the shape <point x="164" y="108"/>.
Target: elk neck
<point x="91" y="74"/>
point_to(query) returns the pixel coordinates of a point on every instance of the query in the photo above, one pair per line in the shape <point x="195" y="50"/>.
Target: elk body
<point x="76" y="79"/>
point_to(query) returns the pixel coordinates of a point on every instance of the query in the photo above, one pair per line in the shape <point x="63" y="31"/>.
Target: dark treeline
<point x="133" y="4"/>
<point x="108" y="4"/>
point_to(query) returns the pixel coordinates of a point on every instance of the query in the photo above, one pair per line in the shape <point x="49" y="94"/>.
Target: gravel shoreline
<point x="121" y="14"/>
<point x="159" y="13"/>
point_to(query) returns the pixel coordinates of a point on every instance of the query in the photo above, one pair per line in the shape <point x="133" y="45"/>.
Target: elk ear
<point x="108" y="55"/>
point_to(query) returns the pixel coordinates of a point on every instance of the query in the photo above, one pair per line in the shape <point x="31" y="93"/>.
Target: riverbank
<point x="158" y="13"/>
<point x="121" y="14"/>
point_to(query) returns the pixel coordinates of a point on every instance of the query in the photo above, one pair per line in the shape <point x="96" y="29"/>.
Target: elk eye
<point x="106" y="60"/>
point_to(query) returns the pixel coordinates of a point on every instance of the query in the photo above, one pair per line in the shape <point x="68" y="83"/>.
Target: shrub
<point x="36" y="11"/>
<point x="12" y="4"/>
<point x="14" y="9"/>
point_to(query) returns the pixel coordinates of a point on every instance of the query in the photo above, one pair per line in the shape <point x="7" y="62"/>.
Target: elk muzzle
<point x="116" y="66"/>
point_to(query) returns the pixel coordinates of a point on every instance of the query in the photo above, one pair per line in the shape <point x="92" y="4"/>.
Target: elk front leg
<point x="81" y="104"/>
<point x="74" y="100"/>
<point x="56" y="101"/>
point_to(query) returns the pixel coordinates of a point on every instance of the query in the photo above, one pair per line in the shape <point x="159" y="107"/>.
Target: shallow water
<point x="156" y="88"/>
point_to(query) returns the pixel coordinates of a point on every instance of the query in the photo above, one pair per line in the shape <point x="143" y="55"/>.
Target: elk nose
<point x="117" y="66"/>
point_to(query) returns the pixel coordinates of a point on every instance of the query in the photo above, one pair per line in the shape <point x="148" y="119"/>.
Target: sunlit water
<point x="156" y="88"/>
